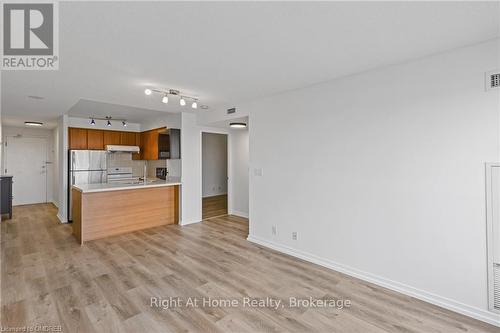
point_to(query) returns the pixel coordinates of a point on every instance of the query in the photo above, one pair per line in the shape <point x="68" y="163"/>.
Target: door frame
<point x="210" y="130"/>
<point x="489" y="231"/>
<point x="46" y="159"/>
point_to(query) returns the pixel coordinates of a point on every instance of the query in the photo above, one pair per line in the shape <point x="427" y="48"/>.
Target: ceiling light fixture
<point x="33" y="123"/>
<point x="237" y="125"/>
<point x="166" y="93"/>
<point x="107" y="121"/>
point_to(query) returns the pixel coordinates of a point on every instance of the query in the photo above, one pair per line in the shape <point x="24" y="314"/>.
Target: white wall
<point x="239" y="165"/>
<point x="56" y="167"/>
<point x="191" y="170"/>
<point x="47" y="134"/>
<point x="169" y="120"/>
<point x="382" y="175"/>
<point x="214" y="164"/>
<point x="62" y="134"/>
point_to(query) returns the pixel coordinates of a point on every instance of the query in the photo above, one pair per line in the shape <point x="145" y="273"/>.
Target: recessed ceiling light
<point x="33" y="123"/>
<point x="238" y="125"/>
<point x="148" y="92"/>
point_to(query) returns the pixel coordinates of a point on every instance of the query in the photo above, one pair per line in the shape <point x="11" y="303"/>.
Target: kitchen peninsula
<point x="103" y="210"/>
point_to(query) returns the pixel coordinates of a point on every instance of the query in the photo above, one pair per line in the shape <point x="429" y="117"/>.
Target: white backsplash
<point x="125" y="160"/>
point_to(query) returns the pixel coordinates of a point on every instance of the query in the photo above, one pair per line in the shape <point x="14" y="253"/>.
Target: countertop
<point x="105" y="187"/>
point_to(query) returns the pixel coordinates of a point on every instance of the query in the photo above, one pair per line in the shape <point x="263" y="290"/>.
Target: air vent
<point x="231" y="110"/>
<point x="493" y="79"/>
<point x="496" y="286"/>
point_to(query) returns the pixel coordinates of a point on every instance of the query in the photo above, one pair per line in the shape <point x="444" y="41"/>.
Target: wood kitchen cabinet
<point x="112" y="138"/>
<point x="149" y="143"/>
<point x="137" y="156"/>
<point x="127" y="138"/>
<point x="77" y="138"/>
<point x="95" y="139"/>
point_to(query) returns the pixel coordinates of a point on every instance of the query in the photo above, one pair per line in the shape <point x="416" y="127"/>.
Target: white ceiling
<point x="227" y="52"/>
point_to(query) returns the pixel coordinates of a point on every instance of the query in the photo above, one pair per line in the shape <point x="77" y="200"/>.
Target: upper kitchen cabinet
<point x="95" y="139"/>
<point x="128" y="139"/>
<point x="137" y="156"/>
<point x="149" y="143"/>
<point x="77" y="138"/>
<point x="112" y="138"/>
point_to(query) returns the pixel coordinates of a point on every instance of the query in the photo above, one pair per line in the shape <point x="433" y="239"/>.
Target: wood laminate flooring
<point x="106" y="285"/>
<point x="214" y="206"/>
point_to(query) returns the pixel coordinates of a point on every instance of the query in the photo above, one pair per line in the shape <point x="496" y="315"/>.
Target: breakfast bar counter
<point x="103" y="210"/>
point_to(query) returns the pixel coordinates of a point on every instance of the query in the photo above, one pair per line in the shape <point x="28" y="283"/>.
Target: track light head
<point x="92" y="122"/>
<point x="165" y="99"/>
<point x="194" y="105"/>
<point x="124" y="123"/>
<point x="148" y="91"/>
<point x="182" y="101"/>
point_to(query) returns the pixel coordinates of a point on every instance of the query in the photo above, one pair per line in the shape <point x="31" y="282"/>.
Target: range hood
<point x="122" y="149"/>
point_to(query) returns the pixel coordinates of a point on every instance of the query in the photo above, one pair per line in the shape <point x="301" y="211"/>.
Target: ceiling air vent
<point x="493" y="79"/>
<point x="231" y="110"/>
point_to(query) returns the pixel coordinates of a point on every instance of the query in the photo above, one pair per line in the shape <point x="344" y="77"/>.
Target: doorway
<point x="25" y="159"/>
<point x="214" y="150"/>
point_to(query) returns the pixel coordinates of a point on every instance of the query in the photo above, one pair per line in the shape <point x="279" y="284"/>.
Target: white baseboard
<point x="476" y="313"/>
<point x="61" y="219"/>
<point x="55" y="203"/>
<point x="184" y="223"/>
<point x="238" y="213"/>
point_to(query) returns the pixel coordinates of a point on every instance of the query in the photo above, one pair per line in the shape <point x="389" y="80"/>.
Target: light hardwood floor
<point x="214" y="206"/>
<point x="106" y="285"/>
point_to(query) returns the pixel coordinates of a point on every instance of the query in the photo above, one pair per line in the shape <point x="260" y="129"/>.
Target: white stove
<point x="121" y="175"/>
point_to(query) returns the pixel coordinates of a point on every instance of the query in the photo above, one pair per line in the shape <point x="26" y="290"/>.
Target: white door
<point x="25" y="159"/>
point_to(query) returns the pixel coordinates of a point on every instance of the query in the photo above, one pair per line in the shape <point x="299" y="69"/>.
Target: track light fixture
<point x="107" y="121"/>
<point x="173" y="92"/>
